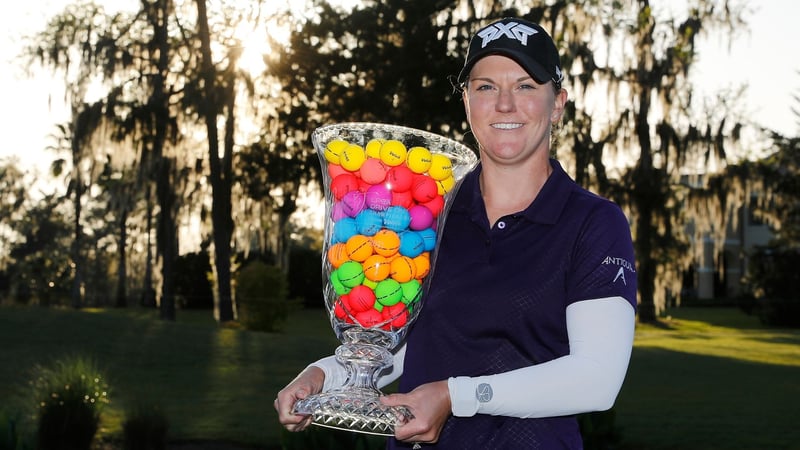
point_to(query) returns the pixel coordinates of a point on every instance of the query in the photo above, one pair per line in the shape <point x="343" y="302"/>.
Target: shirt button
<point x="501" y="224"/>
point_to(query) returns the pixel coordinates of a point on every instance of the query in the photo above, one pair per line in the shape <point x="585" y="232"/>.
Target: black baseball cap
<point x="525" y="42"/>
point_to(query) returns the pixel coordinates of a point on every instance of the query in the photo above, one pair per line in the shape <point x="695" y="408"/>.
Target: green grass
<point x="711" y="378"/>
<point x="211" y="383"/>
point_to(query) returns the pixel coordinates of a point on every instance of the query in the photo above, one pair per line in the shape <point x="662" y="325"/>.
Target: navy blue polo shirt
<point x="498" y="298"/>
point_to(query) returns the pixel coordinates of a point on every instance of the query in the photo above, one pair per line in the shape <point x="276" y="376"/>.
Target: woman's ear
<point x="465" y="99"/>
<point x="559" y="104"/>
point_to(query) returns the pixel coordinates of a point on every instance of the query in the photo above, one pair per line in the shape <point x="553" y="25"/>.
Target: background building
<point x="722" y="277"/>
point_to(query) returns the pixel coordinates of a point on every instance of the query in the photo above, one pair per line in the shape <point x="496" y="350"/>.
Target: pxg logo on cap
<point x="512" y="30"/>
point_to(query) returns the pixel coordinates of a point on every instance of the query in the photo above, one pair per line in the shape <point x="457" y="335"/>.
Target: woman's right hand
<point x="308" y="382"/>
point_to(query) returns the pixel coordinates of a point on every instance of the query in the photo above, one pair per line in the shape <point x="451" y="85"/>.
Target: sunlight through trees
<point x="191" y="122"/>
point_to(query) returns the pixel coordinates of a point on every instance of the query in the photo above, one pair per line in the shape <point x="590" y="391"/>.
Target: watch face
<point x="483" y="392"/>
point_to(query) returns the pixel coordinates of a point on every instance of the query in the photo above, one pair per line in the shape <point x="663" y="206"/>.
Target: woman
<point x="530" y="315"/>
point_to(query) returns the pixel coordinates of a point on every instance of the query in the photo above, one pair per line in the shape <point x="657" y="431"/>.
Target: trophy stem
<point x="356" y="406"/>
<point x="363" y="363"/>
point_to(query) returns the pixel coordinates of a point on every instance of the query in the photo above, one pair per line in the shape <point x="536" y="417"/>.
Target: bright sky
<point x="766" y="59"/>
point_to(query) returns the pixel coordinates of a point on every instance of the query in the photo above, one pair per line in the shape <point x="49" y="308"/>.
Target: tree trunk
<point x="148" y="299"/>
<point x="646" y="270"/>
<point x="220" y="171"/>
<point x="77" y="260"/>
<point x="166" y="238"/>
<point x="645" y="192"/>
<point x="122" y="268"/>
<point x="222" y="220"/>
<point x="644" y="197"/>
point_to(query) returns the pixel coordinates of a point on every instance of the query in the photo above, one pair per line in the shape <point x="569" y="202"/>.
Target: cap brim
<point x="534" y="69"/>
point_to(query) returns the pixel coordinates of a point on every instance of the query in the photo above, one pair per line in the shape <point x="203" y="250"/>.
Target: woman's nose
<point x="505" y="101"/>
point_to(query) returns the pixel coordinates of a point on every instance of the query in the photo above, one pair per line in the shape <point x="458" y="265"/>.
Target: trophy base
<point x="353" y="410"/>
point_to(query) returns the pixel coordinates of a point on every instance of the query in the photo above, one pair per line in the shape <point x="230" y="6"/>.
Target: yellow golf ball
<point x="441" y="167"/>
<point x="352" y="157"/>
<point x="393" y="153"/>
<point x="334" y="149"/>
<point x="373" y="148"/>
<point x="418" y="159"/>
<point x="444" y="185"/>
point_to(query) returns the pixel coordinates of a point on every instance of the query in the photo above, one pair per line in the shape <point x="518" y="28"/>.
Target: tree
<point x="40" y="257"/>
<point x="772" y="186"/>
<point x="778" y="188"/>
<point x="119" y="186"/>
<point x="133" y="58"/>
<point x="219" y="97"/>
<point x="14" y="200"/>
<point x="77" y="44"/>
<point x="75" y="137"/>
<point x="158" y="123"/>
<point x="86" y="119"/>
<point x="334" y="69"/>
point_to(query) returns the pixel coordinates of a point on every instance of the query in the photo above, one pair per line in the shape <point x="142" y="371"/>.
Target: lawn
<point x="212" y="383"/>
<point x="710" y="378"/>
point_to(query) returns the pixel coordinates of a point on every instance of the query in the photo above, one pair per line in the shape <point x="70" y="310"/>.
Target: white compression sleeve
<point x="336" y="374"/>
<point x="588" y="379"/>
<point x="387" y="377"/>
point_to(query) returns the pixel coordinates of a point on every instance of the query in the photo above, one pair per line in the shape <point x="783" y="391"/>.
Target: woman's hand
<point x="430" y="405"/>
<point x="308" y="382"/>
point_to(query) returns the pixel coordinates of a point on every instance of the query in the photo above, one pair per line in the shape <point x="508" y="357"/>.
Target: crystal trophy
<point x="387" y="191"/>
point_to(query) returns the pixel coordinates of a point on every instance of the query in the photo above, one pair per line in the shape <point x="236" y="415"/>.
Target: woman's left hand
<point x="430" y="405"/>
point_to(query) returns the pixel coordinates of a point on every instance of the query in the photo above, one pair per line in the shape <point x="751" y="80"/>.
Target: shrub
<point x="145" y="428"/>
<point x="69" y="396"/>
<point x="9" y="435"/>
<point x="192" y="286"/>
<point x="599" y="431"/>
<point x="305" y="276"/>
<point x="746" y="302"/>
<point x="772" y="281"/>
<point x="261" y="297"/>
<point x="779" y="312"/>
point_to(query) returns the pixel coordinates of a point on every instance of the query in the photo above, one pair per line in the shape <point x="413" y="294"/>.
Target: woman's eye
<point x="483" y="87"/>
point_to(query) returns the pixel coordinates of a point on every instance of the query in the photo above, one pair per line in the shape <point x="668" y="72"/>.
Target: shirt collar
<point x="546" y="208"/>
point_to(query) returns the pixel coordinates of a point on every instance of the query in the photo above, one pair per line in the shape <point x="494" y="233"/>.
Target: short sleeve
<point x="602" y="261"/>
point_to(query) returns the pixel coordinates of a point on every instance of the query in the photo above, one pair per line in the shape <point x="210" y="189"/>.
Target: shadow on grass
<point x="661" y="324"/>
<point x="675" y="400"/>
<point x="212" y="383"/>
<point x="217" y="384"/>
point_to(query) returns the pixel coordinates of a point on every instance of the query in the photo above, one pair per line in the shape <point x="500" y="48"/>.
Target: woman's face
<point x="509" y="112"/>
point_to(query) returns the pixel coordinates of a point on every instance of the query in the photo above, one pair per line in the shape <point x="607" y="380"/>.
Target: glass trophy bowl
<point x="387" y="192"/>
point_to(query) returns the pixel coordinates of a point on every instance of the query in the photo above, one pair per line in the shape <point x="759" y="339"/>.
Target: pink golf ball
<point x="378" y="197"/>
<point x="352" y="203"/>
<point x="421" y="217"/>
<point x="337" y="212"/>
